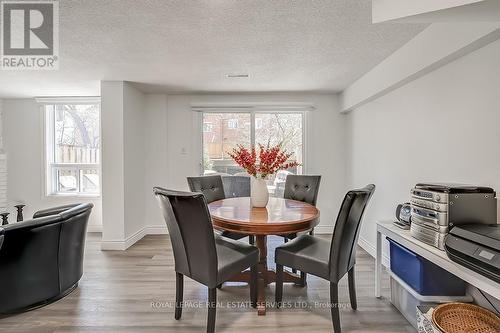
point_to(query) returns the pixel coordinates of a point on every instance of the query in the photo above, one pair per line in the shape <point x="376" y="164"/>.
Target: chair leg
<point x="279" y="285"/>
<point x="303" y="279"/>
<point x="251" y="239"/>
<point x="253" y="285"/>
<point x="311" y="232"/>
<point x="179" y="291"/>
<point x="212" y="307"/>
<point x="334" y="304"/>
<point x="352" y="289"/>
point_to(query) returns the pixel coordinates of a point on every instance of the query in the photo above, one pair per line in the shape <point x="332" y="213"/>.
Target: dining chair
<point x="303" y="188"/>
<point x="236" y="186"/>
<point x="329" y="260"/>
<point x="200" y="254"/>
<point x="213" y="189"/>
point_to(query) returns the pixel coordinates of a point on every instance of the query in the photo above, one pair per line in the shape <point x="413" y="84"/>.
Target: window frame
<point x="50" y="167"/>
<point x="253" y="128"/>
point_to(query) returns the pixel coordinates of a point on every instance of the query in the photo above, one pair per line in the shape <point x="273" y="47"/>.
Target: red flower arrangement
<point x="270" y="160"/>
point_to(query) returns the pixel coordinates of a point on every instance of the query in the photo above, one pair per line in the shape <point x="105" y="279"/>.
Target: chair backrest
<point x="302" y="188"/>
<point x="191" y="234"/>
<point x="346" y="233"/>
<point x="54" y="210"/>
<point x="236" y="186"/>
<point x="211" y="187"/>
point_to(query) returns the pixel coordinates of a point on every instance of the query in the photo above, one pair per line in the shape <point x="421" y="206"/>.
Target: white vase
<point x="259" y="194"/>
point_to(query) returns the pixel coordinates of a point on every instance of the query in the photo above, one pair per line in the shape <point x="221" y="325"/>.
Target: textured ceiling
<point x="180" y="46"/>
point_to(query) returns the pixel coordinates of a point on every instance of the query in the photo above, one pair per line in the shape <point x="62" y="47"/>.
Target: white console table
<point x="438" y="257"/>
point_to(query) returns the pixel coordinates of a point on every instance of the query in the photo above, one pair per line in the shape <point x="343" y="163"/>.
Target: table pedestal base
<point x="265" y="277"/>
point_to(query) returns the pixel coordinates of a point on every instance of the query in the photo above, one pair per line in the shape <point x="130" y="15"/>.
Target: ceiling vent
<point x="237" y="76"/>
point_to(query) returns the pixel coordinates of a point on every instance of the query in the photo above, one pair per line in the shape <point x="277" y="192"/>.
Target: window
<point x="221" y="140"/>
<point x="258" y="123"/>
<point x="232" y="123"/>
<point x="73" y="144"/>
<point x="207" y="127"/>
<point x="252" y="128"/>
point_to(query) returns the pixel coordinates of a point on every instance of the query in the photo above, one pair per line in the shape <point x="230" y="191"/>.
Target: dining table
<point x="280" y="217"/>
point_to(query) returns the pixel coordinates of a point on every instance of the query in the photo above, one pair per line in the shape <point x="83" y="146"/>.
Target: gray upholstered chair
<point x="217" y="188"/>
<point x="325" y="259"/>
<point x="211" y="187"/>
<point x="303" y="188"/>
<point x="200" y="254"/>
<point x="236" y="186"/>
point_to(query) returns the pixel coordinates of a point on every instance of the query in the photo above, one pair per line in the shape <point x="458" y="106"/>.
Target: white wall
<point x="3" y="168"/>
<point x="123" y="164"/>
<point x="443" y="127"/>
<point x="436" y="46"/>
<point x="23" y="143"/>
<point x="134" y="154"/>
<point x="156" y="158"/>
<point x="112" y="156"/>
<point x="386" y="10"/>
<point x="179" y="129"/>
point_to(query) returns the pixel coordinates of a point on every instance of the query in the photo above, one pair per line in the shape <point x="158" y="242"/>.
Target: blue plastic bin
<point x="422" y="275"/>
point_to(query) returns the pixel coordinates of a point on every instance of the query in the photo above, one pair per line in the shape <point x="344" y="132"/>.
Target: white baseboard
<point x="372" y="250"/>
<point x="156" y="230"/>
<point x="367" y="246"/>
<point x="94" y="228"/>
<point x="122" y="245"/>
<point x="323" y="230"/>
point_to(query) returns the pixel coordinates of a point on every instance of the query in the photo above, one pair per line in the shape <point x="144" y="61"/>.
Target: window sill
<point x="73" y="195"/>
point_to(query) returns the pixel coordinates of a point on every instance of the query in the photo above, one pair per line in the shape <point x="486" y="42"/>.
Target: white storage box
<point x="424" y="320"/>
<point x="406" y="300"/>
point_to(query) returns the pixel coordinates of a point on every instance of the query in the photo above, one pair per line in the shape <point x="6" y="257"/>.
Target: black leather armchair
<point x="328" y="260"/>
<point x="41" y="260"/>
<point x="1" y="237"/>
<point x="200" y="254"/>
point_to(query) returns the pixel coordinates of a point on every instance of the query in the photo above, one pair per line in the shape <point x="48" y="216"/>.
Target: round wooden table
<point x="280" y="217"/>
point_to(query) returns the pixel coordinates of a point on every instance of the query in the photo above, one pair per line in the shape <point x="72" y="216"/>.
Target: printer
<point x="477" y="247"/>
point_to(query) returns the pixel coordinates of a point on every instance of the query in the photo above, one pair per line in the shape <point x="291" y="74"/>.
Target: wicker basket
<point x="465" y="318"/>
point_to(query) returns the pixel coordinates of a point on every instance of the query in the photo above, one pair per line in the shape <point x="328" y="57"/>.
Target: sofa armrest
<point x="53" y="211"/>
<point x="1" y="237"/>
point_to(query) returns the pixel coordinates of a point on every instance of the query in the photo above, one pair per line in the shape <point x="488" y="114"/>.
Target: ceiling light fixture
<point x="232" y="76"/>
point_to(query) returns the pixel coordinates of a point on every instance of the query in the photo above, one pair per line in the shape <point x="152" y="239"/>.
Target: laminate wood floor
<point x="134" y="291"/>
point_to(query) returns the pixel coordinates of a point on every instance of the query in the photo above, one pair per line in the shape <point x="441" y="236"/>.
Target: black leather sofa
<point x="41" y="260"/>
